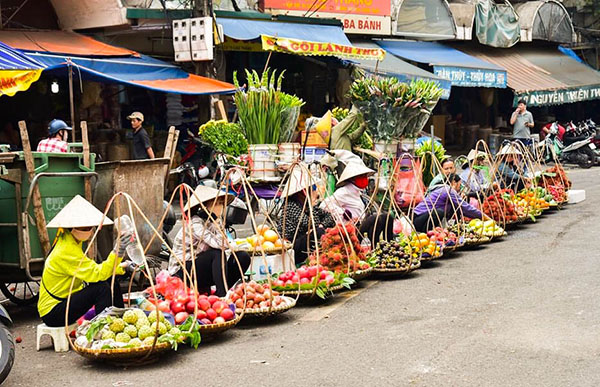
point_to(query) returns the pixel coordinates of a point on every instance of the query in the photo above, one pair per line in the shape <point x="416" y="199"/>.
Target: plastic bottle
<point x="365" y="244"/>
<point x="133" y="248"/>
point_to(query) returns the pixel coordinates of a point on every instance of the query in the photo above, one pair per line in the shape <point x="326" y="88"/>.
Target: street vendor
<point x="142" y="148"/>
<point x="510" y="173"/>
<point x="346" y="203"/>
<point x="67" y="264"/>
<point x="440" y="179"/>
<point x="295" y="217"/>
<point x="56" y="142"/>
<point x="443" y="202"/>
<point x="339" y="137"/>
<point x="474" y="176"/>
<point x="208" y="243"/>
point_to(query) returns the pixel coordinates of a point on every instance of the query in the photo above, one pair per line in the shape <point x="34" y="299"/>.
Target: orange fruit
<point x="278" y="243"/>
<point x="268" y="245"/>
<point x="270" y="236"/>
<point x="260" y="230"/>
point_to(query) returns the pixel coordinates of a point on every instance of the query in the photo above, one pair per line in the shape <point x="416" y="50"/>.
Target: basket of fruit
<point x="131" y="334"/>
<point x="449" y="240"/>
<point x="427" y="248"/>
<point x="265" y="241"/>
<point x="394" y="257"/>
<point x="361" y="274"/>
<point x="308" y="281"/>
<point x="487" y="228"/>
<point x="260" y="300"/>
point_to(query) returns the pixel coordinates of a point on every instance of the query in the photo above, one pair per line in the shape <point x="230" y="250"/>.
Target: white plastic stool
<point x="59" y="338"/>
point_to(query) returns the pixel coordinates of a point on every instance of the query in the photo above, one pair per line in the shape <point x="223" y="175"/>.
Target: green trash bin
<point x="57" y="188"/>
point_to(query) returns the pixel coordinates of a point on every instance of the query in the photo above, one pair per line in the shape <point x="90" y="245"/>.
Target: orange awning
<point x="60" y="42"/>
<point x="193" y="84"/>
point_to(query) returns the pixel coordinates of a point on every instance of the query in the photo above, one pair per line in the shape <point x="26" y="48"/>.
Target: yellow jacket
<point x="63" y="264"/>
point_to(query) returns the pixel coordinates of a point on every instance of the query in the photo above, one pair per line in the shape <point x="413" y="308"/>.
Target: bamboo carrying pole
<point x="71" y="100"/>
<point x="86" y="159"/>
<point x="40" y="219"/>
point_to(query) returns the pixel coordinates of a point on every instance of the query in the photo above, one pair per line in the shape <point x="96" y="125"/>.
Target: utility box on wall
<point x="193" y="39"/>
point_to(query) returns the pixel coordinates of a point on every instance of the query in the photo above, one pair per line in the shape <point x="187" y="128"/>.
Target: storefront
<point x="108" y="83"/>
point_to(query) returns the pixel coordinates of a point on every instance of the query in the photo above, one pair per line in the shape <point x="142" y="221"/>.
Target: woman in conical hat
<point x="294" y="220"/>
<point x="207" y="206"/>
<point x="508" y="169"/>
<point x="474" y="176"/>
<point x="76" y="223"/>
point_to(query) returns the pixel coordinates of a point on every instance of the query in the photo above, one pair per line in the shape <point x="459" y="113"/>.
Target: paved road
<point x="520" y="312"/>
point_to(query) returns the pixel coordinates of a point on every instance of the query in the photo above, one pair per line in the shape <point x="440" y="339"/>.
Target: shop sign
<point x="12" y="81"/>
<point x="366" y="17"/>
<point x="241" y="45"/>
<point x="344" y="7"/>
<point x="466" y="77"/>
<point x="303" y="47"/>
<point x="558" y="97"/>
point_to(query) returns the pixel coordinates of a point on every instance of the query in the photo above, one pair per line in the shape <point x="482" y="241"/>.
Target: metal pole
<point x="72" y="104"/>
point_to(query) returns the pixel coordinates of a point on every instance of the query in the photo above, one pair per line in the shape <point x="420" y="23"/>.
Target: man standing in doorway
<point x="142" y="149"/>
<point x="522" y="121"/>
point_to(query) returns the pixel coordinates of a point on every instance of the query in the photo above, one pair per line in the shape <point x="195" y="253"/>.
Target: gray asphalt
<point x="518" y="312"/>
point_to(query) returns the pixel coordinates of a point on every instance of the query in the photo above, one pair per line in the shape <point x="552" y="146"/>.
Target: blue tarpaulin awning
<point x="250" y="29"/>
<point x="395" y="67"/>
<point x="55" y="51"/>
<point x="448" y="63"/>
<point x="12" y="59"/>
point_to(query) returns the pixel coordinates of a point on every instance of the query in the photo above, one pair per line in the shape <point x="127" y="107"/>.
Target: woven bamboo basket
<point x="256" y="251"/>
<point x="309" y="292"/>
<point x="361" y="274"/>
<point x="219" y="328"/>
<point x="406" y="270"/>
<point x="144" y="354"/>
<point x="266" y="312"/>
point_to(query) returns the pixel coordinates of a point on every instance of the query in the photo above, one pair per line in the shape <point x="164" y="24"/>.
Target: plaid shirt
<point x="53" y="145"/>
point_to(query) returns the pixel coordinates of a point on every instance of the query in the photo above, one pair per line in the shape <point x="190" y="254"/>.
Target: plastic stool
<point x="59" y="338"/>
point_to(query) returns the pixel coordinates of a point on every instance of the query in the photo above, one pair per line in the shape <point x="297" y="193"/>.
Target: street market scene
<point x="384" y="192"/>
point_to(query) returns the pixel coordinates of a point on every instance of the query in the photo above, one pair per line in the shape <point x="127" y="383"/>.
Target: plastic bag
<point x="409" y="189"/>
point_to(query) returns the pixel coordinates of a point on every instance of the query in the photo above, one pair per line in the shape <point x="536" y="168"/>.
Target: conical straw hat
<point x="509" y="149"/>
<point x="204" y="194"/>
<point x="300" y="178"/>
<point x="79" y="213"/>
<point x="475" y="154"/>
<point x="354" y="169"/>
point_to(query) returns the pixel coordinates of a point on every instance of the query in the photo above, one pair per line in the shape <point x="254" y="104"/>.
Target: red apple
<point x="212" y="299"/>
<point x="218" y="306"/>
<point x="177" y="307"/>
<point x="211" y="314"/>
<point x="181" y="317"/>
<point x="219" y="320"/>
<point x="227" y="314"/>
<point x="164" y="306"/>
<point x="206" y="321"/>
<point x="203" y="304"/>
<point x="201" y="314"/>
<point x="190" y="306"/>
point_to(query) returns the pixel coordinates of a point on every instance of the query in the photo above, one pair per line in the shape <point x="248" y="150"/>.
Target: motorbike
<point x="7" y="345"/>
<point x="576" y="149"/>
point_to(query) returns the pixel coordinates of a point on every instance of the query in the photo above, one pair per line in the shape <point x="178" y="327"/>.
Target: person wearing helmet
<point x="58" y="134"/>
<point x="142" y="148"/>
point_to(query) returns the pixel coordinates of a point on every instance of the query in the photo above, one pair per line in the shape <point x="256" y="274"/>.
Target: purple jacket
<point x="446" y="199"/>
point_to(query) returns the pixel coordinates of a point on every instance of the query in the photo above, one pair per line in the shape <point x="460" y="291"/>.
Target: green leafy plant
<point x="267" y="115"/>
<point x="393" y="109"/>
<point x="424" y="152"/>
<point x="224" y="137"/>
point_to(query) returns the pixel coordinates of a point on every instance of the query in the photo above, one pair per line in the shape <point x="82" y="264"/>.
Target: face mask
<point x="81" y="235"/>
<point x="361" y="181"/>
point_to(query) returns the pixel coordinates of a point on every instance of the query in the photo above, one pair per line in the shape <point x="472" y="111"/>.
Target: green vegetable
<point x="427" y="164"/>
<point x="224" y="137"/>
<point x="267" y="115"/>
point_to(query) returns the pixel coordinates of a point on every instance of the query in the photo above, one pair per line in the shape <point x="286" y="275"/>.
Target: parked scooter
<point x="580" y="151"/>
<point x="7" y="345"/>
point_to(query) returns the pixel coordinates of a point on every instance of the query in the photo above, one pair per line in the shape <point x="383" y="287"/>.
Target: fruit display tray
<point x="257" y="251"/>
<point x="407" y="270"/>
<point x="361" y="274"/>
<point x="310" y="292"/>
<point x="265" y="312"/>
<point x="218" y="328"/>
<point x="142" y="354"/>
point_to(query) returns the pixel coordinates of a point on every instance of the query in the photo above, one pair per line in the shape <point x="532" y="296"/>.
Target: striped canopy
<point x="12" y="59"/>
<point x="17" y="71"/>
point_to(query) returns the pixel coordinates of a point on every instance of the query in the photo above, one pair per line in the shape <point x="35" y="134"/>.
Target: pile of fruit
<point x="501" y="207"/>
<point x="265" y="239"/>
<point x="258" y="296"/>
<point x="533" y="200"/>
<point x="395" y="255"/>
<point x="306" y="278"/>
<point x="340" y="251"/>
<point x="444" y="237"/>
<point x="487" y="228"/>
<point x="425" y="247"/>
<point x="181" y="302"/>
<point x="555" y="176"/>
<point x="470" y="237"/>
<point x="558" y="193"/>
<point x="134" y="328"/>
